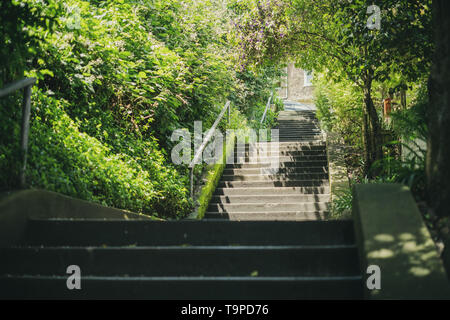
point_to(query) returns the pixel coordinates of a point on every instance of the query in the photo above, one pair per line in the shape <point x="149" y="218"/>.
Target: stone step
<point x="282" y="131"/>
<point x="280" y="198"/>
<point x="311" y="134"/>
<point x="274" y="183"/>
<point x="284" y="164"/>
<point x="184" y="288"/>
<point x="186" y="232"/>
<point x="276" y="177"/>
<point x="270" y="216"/>
<point x="282" y="147"/>
<point x="309" y="112"/>
<point x="296" y="123"/>
<point x="267" y="207"/>
<point x="272" y="190"/>
<point x="285" y="170"/>
<point x="295" y="139"/>
<point x="299" y="129"/>
<point x="280" y="158"/>
<point x="279" y="153"/>
<point x="336" y="260"/>
<point x="297" y="119"/>
<point x="313" y="112"/>
<point x="299" y="135"/>
<point x="302" y="144"/>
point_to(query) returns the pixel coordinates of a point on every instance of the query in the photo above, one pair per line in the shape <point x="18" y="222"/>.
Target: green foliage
<point x="22" y="23"/>
<point x="279" y="104"/>
<point x="253" y="88"/>
<point x="64" y="159"/>
<point x="342" y="204"/>
<point x="269" y="119"/>
<point x="115" y="78"/>
<point x="339" y="108"/>
<point x="411" y="127"/>
<point x="411" y="123"/>
<point x="332" y="37"/>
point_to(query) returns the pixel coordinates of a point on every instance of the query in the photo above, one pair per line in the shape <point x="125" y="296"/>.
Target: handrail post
<point x="267" y="106"/>
<point x="25" y="84"/>
<point x="26" y="110"/>
<point x="192" y="181"/>
<point x="229" y="111"/>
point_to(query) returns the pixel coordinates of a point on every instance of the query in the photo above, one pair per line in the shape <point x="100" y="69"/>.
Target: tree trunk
<point x="438" y="151"/>
<point x="367" y="144"/>
<point x="375" y="138"/>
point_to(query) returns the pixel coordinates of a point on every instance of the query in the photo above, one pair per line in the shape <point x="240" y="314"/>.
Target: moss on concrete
<point x="214" y="173"/>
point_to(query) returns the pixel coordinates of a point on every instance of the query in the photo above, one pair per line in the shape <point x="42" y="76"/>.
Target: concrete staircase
<point x="216" y="258"/>
<point x="298" y="190"/>
<point x="212" y="259"/>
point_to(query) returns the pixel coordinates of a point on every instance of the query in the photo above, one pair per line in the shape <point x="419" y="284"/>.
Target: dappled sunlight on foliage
<point x="115" y="78"/>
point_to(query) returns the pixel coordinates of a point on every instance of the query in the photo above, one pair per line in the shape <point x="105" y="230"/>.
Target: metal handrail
<point x="208" y="136"/>
<point x="267" y="106"/>
<point x="25" y="84"/>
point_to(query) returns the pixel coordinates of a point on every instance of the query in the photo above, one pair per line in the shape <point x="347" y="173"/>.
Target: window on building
<point x="308" y="75"/>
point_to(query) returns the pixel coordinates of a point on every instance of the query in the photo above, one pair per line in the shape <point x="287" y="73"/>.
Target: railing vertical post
<point x="229" y="111"/>
<point x="192" y="181"/>
<point x="26" y="110"/>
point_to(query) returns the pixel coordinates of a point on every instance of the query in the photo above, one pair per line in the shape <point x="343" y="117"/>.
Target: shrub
<point x="64" y="159"/>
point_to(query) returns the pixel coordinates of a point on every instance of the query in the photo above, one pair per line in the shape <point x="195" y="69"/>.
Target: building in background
<point x="296" y="85"/>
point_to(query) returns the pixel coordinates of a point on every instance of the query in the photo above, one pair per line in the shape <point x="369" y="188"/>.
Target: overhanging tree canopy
<point x="333" y="36"/>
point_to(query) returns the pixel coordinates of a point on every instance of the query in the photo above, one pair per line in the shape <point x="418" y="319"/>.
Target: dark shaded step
<point x="292" y="198"/>
<point x="267" y="207"/>
<point x="276" y="176"/>
<point x="298" y="126"/>
<point x="119" y="233"/>
<point x="310" y="134"/>
<point x="283" y="144"/>
<point x="286" y="164"/>
<point x="281" y="158"/>
<point x="184" y="288"/>
<point x="281" y="152"/>
<point x="300" y="137"/>
<point x="274" y="183"/>
<point x="285" y="170"/>
<point x="272" y="190"/>
<point x="295" y="139"/>
<point x="270" y="216"/>
<point x="184" y="261"/>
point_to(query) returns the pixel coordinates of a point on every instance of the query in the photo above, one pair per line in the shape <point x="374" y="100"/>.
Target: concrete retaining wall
<point x="16" y="209"/>
<point x="391" y="234"/>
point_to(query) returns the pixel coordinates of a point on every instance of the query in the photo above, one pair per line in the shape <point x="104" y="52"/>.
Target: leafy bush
<point x="342" y="204"/>
<point x="115" y="79"/>
<point x="64" y="159"/>
<point x="339" y="108"/>
<point x="411" y="127"/>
